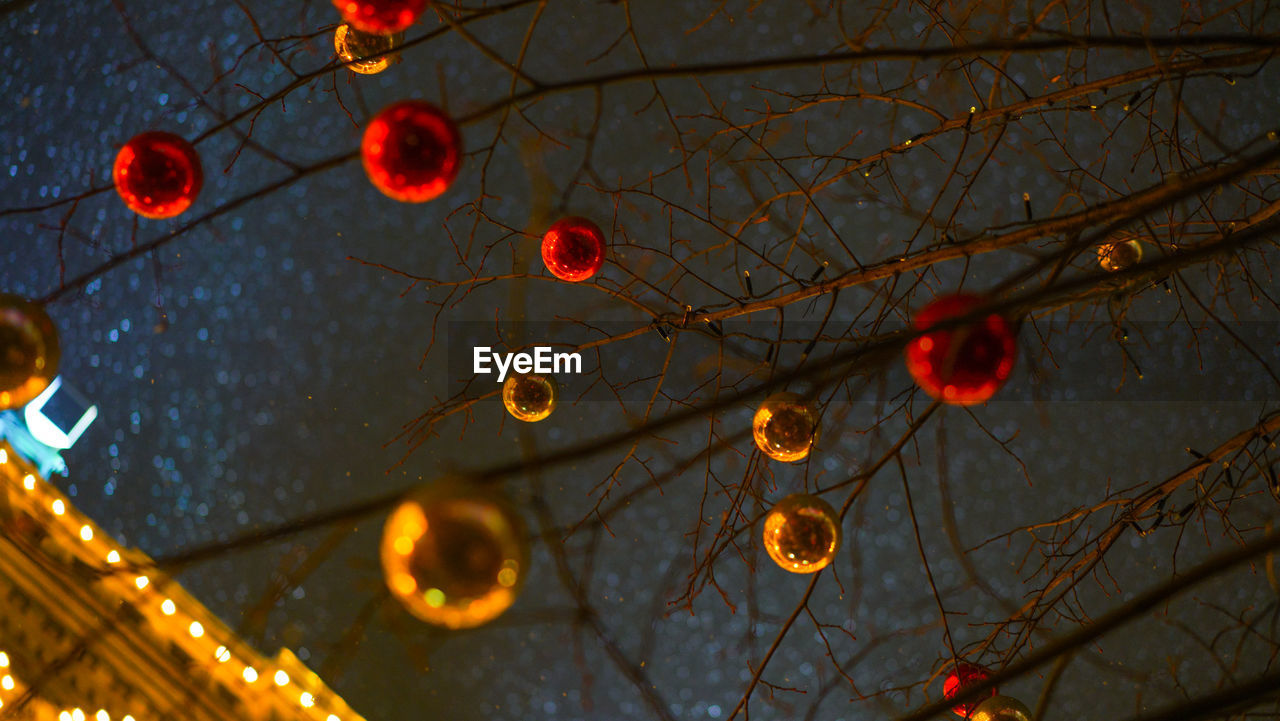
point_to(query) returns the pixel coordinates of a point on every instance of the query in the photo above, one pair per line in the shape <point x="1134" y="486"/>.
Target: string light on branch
<point x="381" y="16"/>
<point x="354" y="46"/>
<point x="529" y="397"/>
<point x="963" y="676"/>
<point x="573" y="249"/>
<point x="158" y="174"/>
<point x="1119" y="255"/>
<point x="455" y="556"/>
<point x="802" y="533"/>
<point x="1001" y="708"/>
<point x="29" y="351"/>
<point x="961" y="365"/>
<point x="785" y="427"/>
<point x="412" y="151"/>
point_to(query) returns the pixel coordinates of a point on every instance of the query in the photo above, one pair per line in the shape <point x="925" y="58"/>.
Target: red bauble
<point x="158" y="174"/>
<point x="380" y="16"/>
<point x="412" y="151"/>
<point x="961" y="365"/>
<point x="962" y="677"/>
<point x="573" y="249"/>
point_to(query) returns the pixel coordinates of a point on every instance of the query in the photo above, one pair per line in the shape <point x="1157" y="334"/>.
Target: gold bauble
<point x="529" y="397"/>
<point x="785" y="427"/>
<point x="29" y="351"/>
<point x="1001" y="708"/>
<point x="802" y="533"/>
<point x="455" y="555"/>
<point x="353" y="46"/>
<point x="1120" y="255"/>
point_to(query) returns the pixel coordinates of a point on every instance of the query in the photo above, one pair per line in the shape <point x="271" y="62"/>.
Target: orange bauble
<point x="802" y="533"/>
<point x="29" y="352"/>
<point x="573" y="249"/>
<point x="412" y="151"/>
<point x="158" y="174"/>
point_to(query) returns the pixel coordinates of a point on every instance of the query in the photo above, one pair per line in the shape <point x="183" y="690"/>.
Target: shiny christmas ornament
<point x="28" y="351"/>
<point x="785" y="427"/>
<point x="962" y="676"/>
<point x="1121" y="255"/>
<point x="802" y="533"/>
<point x="1001" y="708"/>
<point x="412" y="151"/>
<point x="158" y="174"/>
<point x="961" y="365"/>
<point x="455" y="555"/>
<point x="380" y="16"/>
<point x="573" y="249"/>
<point x="353" y="46"/>
<point x="529" y="397"/>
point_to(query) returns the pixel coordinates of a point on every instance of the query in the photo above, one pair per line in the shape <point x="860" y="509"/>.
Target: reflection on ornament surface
<point x="802" y="533"/>
<point x="785" y="427"/>
<point x="573" y="249"/>
<point x="157" y="174"/>
<point x="1119" y="256"/>
<point x="961" y="365"/>
<point x="353" y="46"/>
<point x="380" y="16"/>
<point x="529" y="397"/>
<point x="29" y="352"/>
<point x="1001" y="708"/>
<point x="962" y="676"/>
<point x="412" y="151"/>
<point x="455" y="556"/>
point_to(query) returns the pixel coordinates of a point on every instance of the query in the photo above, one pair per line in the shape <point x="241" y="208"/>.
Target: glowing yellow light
<point x="307" y="700"/>
<point x="250" y="674"/>
<point x="140" y="582"/>
<point x="434" y="597"/>
<point x="168" y="607"/>
<point x="77" y="715"/>
<point x="196" y="629"/>
<point x="802" y="533"/>
<point x="7" y="682"/>
<point x="113" y="557"/>
<point x="529" y="398"/>
<point x="333" y="717"/>
<point x="29" y="482"/>
<point x="64" y="716"/>
<point x="4" y="660"/>
<point x="222" y="654"/>
<point x="102" y="715"/>
<point x="785" y="427"/>
<point x="282" y="678"/>
<point x="127" y="718"/>
<point x="4" y="457"/>
<point x="86" y="533"/>
<point x="404" y="545"/>
<point x="59" y="507"/>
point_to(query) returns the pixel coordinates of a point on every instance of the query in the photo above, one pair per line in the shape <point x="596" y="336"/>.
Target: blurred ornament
<point x="962" y="676"/>
<point x="158" y="174"/>
<point x="380" y="16"/>
<point x="28" y="351"/>
<point x="802" y="533"/>
<point x="455" y="555"/>
<point x="1120" y="255"/>
<point x="961" y="365"/>
<point x="1001" y="708"/>
<point x="353" y="46"/>
<point x="573" y="249"/>
<point x="785" y="427"/>
<point x="412" y="151"/>
<point x="529" y="397"/>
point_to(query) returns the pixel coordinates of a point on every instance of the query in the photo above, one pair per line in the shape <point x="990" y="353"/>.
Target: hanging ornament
<point x="412" y="151"/>
<point x="28" y="351"/>
<point x="785" y="427"/>
<point x="1001" y="708"/>
<point x="353" y="46"/>
<point x="573" y="249"/>
<point x="961" y="365"/>
<point x="529" y="397"/>
<point x="963" y="676"/>
<point x="455" y="555"/>
<point x="158" y="174"/>
<point x="1120" y="255"/>
<point x="802" y="533"/>
<point x="380" y="16"/>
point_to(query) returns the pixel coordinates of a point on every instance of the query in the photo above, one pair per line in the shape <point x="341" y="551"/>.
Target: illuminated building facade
<point x="90" y="631"/>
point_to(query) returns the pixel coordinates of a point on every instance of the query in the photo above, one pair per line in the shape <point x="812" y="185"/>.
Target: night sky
<point x="290" y="354"/>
